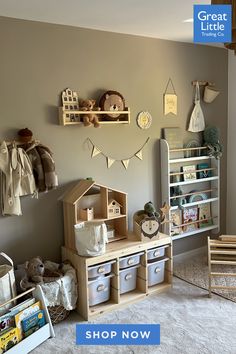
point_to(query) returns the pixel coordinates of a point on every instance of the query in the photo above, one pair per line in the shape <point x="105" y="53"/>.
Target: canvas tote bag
<point x="90" y="238"/>
<point x="197" y="122"/>
<point x="7" y="283"/>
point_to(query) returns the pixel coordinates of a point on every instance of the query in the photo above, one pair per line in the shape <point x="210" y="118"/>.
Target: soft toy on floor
<point x="36" y="273"/>
<point x="211" y="139"/>
<point x="90" y="118"/>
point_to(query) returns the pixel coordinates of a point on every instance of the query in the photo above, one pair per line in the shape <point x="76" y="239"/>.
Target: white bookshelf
<point x="171" y="165"/>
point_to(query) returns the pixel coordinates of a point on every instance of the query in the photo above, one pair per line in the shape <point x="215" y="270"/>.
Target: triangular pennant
<point x="110" y="162"/>
<point x="125" y="163"/>
<point x="95" y="151"/>
<point x="139" y="155"/>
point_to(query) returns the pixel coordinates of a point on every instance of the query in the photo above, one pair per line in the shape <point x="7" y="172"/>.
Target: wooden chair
<point x="222" y="251"/>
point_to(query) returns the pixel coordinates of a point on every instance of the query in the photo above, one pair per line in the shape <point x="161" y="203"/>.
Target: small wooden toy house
<point x="70" y="105"/>
<point x="113" y="207"/>
<point x="88" y="197"/>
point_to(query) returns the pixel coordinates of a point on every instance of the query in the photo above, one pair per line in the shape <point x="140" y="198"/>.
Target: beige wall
<point x="231" y="166"/>
<point x="39" y="60"/>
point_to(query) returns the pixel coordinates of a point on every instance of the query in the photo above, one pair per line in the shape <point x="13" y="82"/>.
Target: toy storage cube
<point x="128" y="279"/>
<point x="156" y="272"/>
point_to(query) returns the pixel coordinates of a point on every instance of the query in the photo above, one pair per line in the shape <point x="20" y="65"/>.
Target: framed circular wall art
<point x="144" y="120"/>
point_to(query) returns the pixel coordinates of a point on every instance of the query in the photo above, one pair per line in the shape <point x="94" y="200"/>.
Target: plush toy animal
<point x="36" y="273"/>
<point x="211" y="139"/>
<point x="90" y="118"/>
<point x="112" y="101"/>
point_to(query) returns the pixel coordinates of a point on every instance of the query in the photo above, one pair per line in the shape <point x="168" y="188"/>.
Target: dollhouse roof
<point x="110" y="201"/>
<point x="82" y="187"/>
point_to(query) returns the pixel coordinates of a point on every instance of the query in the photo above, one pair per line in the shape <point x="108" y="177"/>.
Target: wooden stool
<point x="222" y="251"/>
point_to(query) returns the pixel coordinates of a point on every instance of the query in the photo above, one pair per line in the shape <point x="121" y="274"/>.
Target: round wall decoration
<point x="144" y="120"/>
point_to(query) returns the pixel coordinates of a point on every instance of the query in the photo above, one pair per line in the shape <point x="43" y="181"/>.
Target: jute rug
<point x="195" y="271"/>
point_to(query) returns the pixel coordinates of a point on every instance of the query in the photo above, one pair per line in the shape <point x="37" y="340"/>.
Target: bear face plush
<point x="91" y="118"/>
<point x="112" y="101"/>
<point x="36" y="273"/>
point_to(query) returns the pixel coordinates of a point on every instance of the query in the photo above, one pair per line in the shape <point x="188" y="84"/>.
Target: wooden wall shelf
<point x="66" y="116"/>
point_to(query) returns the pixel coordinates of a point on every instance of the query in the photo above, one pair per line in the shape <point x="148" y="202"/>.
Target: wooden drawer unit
<point x="116" y="253"/>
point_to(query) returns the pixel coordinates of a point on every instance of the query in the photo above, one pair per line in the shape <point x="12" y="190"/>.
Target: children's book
<point x="8" y="320"/>
<point x="24" y="314"/>
<point x="32" y="323"/>
<point x="204" y="173"/>
<point x="176" y="219"/>
<point x="205" y="215"/>
<point x="189" y="216"/>
<point x="189" y="172"/>
<point x="8" y="339"/>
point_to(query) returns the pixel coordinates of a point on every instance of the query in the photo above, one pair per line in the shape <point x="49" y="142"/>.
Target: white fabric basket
<point x="91" y="238"/>
<point x="7" y="283"/>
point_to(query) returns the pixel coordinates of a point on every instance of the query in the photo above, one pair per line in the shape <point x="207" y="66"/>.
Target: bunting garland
<point x="110" y="160"/>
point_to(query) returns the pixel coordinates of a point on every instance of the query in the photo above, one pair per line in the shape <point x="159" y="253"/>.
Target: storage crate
<point x="99" y="270"/>
<point x="128" y="279"/>
<point x="99" y="290"/>
<point x="156" y="272"/>
<point x="130" y="260"/>
<point x="137" y="218"/>
<point x="156" y="252"/>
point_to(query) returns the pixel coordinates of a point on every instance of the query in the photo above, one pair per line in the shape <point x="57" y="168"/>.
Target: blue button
<point x="117" y="334"/>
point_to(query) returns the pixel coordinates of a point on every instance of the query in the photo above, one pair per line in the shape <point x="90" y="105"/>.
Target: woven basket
<point x="57" y="313"/>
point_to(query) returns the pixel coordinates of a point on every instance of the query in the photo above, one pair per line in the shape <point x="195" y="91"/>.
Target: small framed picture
<point x="204" y="173"/>
<point x="189" y="172"/>
<point x="205" y="215"/>
<point x="190" y="215"/>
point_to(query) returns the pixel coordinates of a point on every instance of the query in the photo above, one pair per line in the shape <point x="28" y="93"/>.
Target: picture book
<point x="32" y="323"/>
<point x="23" y="305"/>
<point x="8" y="339"/>
<point x="176" y="219"/>
<point x="8" y="320"/>
<point x="205" y="172"/>
<point x="205" y="215"/>
<point x="189" y="216"/>
<point x="25" y="313"/>
<point x="189" y="172"/>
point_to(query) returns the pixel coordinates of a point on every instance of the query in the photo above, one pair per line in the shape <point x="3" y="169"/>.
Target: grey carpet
<point x="191" y="323"/>
<point x="195" y="271"/>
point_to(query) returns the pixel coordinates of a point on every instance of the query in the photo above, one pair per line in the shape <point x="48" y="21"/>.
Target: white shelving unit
<point x="209" y="185"/>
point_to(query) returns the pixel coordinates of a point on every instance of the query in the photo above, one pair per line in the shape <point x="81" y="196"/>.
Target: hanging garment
<point x="43" y="166"/>
<point x="22" y="174"/>
<point x="197" y="122"/>
<point x="11" y="204"/>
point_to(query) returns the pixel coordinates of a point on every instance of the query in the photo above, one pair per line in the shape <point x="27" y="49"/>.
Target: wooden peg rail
<point x="203" y="83"/>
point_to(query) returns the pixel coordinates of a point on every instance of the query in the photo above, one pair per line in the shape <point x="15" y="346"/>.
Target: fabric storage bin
<point x="156" y="252"/>
<point x="99" y="270"/>
<point x="130" y="260"/>
<point x="128" y="279"/>
<point x="156" y="272"/>
<point x="99" y="290"/>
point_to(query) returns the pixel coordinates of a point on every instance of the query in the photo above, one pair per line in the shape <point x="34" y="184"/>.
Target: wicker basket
<point x="57" y="313"/>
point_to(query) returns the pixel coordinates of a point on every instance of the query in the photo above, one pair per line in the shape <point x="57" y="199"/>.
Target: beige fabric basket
<point x="7" y="283"/>
<point x="210" y="94"/>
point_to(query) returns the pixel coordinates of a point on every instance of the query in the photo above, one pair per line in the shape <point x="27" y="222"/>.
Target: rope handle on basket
<point x="17" y="297"/>
<point x="4" y="255"/>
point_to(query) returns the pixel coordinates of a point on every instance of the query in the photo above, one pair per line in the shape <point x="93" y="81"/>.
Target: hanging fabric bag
<point x="7" y="283"/>
<point x="197" y="122"/>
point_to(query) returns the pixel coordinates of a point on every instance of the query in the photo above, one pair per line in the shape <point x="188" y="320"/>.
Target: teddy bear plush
<point x="90" y="118"/>
<point x="36" y="273"/>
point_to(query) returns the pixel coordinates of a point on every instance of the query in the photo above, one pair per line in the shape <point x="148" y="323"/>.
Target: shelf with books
<point x="190" y="183"/>
<point x="37" y="333"/>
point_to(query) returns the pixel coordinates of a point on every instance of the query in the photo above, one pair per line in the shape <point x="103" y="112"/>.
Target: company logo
<point x="117" y="334"/>
<point x="212" y="23"/>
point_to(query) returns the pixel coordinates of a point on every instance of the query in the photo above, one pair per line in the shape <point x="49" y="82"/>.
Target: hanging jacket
<point x="43" y="166"/>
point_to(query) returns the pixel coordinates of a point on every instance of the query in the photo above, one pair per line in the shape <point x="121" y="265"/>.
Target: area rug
<point x="195" y="271"/>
